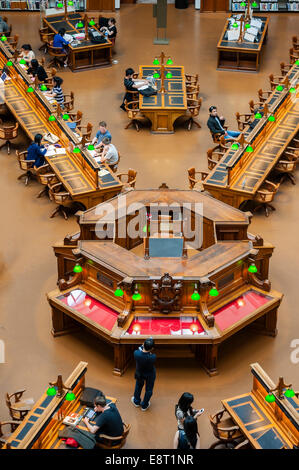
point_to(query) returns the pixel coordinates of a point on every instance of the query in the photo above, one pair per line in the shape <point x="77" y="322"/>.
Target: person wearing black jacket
<point x="145" y="374"/>
<point x="130" y="85"/>
<point x="38" y="70"/>
<point x="216" y="123"/>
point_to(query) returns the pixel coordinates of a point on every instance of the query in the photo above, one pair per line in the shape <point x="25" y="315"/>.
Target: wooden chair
<point x="26" y="165"/>
<point x="69" y="101"/>
<point x="285" y="169"/>
<point x="243" y="120"/>
<point x="265" y="195"/>
<point x="193" y="107"/>
<point x="114" y="166"/>
<point x="275" y="80"/>
<point x="61" y="197"/>
<point x="254" y="107"/>
<point x="76" y="117"/>
<point x="263" y="95"/>
<point x="109" y="442"/>
<point x="13" y="41"/>
<point x="135" y="118"/>
<point x="192" y="92"/>
<point x="18" y="406"/>
<point x="8" y="133"/>
<point x="85" y="131"/>
<point x="294" y="55"/>
<point x="130" y="178"/>
<point x="192" y="177"/>
<point x="214" y="155"/>
<point x="45" y="176"/>
<point x="46" y="38"/>
<point x="217" y="136"/>
<point x="191" y="79"/>
<point x="224" y="429"/>
<point x="4" y="436"/>
<point x="284" y="68"/>
<point x="133" y="96"/>
<point x="57" y="54"/>
<point x="295" y="43"/>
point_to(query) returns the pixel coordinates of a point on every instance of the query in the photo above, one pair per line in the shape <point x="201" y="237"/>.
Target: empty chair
<point x="69" y="101"/>
<point x="264" y="196"/>
<point x="5" y="434"/>
<point x="284" y="68"/>
<point x="294" y="55"/>
<point x="224" y="429"/>
<point x="13" y="41"/>
<point x="76" y="117"/>
<point x="26" y="165"/>
<point x="275" y="80"/>
<point x="85" y="131"/>
<point x="191" y="79"/>
<point x="45" y="176"/>
<point x="263" y="95"/>
<point x="135" y="118"/>
<point x="214" y="155"/>
<point x="108" y="442"/>
<point x="61" y="197"/>
<point x="7" y="133"/>
<point x="58" y="55"/>
<point x="295" y="43"/>
<point x="254" y="107"/>
<point x="45" y="38"/>
<point x="193" y="108"/>
<point x="192" y="177"/>
<point x="18" y="406"/>
<point x="285" y="169"/>
<point x="129" y="179"/>
<point x="192" y="92"/>
<point x="243" y="120"/>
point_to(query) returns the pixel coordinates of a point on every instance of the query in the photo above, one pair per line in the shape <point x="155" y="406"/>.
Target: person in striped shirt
<point x="57" y="92"/>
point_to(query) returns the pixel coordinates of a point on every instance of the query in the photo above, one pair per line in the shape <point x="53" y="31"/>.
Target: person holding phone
<point x="184" y="408"/>
<point x="145" y="374"/>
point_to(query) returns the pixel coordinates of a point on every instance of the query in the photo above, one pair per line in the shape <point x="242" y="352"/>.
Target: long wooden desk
<point x="239" y="174"/>
<point x="78" y="172"/>
<point x="243" y="56"/>
<point x="85" y="54"/>
<point x="164" y="108"/>
<point x="266" y="425"/>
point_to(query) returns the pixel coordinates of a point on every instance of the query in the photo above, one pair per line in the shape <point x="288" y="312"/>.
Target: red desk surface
<point x="240" y="308"/>
<point x="81" y="302"/>
<point x="177" y="326"/>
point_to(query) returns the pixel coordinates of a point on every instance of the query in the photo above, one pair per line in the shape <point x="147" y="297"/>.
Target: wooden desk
<point x="79" y="173"/>
<point x="243" y="56"/>
<point x="265" y="425"/>
<point x="239" y="174"/>
<point x="86" y="54"/>
<point x="164" y="108"/>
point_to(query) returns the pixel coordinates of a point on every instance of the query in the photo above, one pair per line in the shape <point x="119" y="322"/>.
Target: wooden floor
<point x="27" y="263"/>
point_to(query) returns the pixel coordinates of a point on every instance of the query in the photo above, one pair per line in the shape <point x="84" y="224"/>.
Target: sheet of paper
<point x="103" y="172"/>
<point x="249" y="37"/>
<point x="252" y="30"/>
<point x="233" y="35"/>
<point x="257" y="23"/>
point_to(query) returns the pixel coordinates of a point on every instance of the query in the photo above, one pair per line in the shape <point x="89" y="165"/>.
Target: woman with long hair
<point x="187" y="438"/>
<point x="184" y="409"/>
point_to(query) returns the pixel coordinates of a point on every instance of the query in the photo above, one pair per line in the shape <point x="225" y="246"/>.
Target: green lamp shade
<point x="235" y="146"/>
<point x="144" y="229"/>
<point x="169" y="61"/>
<point x="136" y="296"/>
<point x="297" y="62"/>
<point x="80" y="24"/>
<point x="258" y="116"/>
<point x="291" y="90"/>
<point x="52" y="118"/>
<point x="78" y="268"/>
<point x="51" y="391"/>
<point x="235" y="25"/>
<point x="156" y="75"/>
<point x="90" y="147"/>
<point x="279" y="88"/>
<point x="270" y="398"/>
<point x="247" y="26"/>
<point x="30" y="89"/>
<point x="22" y="61"/>
<point x="271" y="118"/>
<point x="118" y="292"/>
<point x="252" y="268"/>
<point x="156" y="62"/>
<point x="76" y="150"/>
<point x="289" y="393"/>
<point x="169" y="75"/>
<point x="243" y="4"/>
<point x="9" y="64"/>
<point x="70" y="3"/>
<point x="213" y="292"/>
<point x="195" y="296"/>
<point x="43" y="87"/>
<point x="65" y="117"/>
<point x="3" y="38"/>
<point x="70" y="396"/>
<point x="254" y="5"/>
<point x="92" y="23"/>
<point x="59" y="5"/>
<point x="249" y="148"/>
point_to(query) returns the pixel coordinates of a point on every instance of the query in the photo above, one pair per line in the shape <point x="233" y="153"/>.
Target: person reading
<point x="109" y="153"/>
<point x="37" y="152"/>
<point x="103" y="132"/>
<point x="26" y="54"/>
<point x="37" y="70"/>
<point x="131" y="84"/>
<point x="61" y="43"/>
<point x="216" y="123"/>
<point x="107" y="421"/>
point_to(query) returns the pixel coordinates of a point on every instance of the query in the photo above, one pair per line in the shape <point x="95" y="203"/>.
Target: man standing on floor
<point x="145" y="373"/>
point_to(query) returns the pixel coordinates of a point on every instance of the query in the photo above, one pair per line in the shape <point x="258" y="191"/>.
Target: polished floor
<point x="28" y="266"/>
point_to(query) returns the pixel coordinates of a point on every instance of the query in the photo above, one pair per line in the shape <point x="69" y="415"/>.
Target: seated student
<point x="187" y="438"/>
<point x="131" y="85"/>
<point x="101" y="134"/>
<point x="37" y="70"/>
<point x="3" y="26"/>
<point x="108" y="420"/>
<point x="61" y="43"/>
<point x="37" y="152"/>
<point x="112" y="31"/>
<point x="109" y="154"/>
<point x="26" y="53"/>
<point x="57" y="92"/>
<point x="184" y="409"/>
<point x="216" y="123"/>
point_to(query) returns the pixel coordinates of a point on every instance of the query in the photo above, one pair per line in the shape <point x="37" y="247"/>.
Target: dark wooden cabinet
<point x="100" y="5"/>
<point x="214" y="5"/>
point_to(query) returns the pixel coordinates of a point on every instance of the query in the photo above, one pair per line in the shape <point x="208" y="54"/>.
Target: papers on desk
<point x="53" y="151"/>
<point x="79" y="36"/>
<point x="256" y="23"/>
<point x="233" y="35"/>
<point x="138" y="82"/>
<point x="249" y="37"/>
<point x="252" y="30"/>
<point x="103" y="173"/>
<point x="24" y="66"/>
<point x="68" y="37"/>
<point x="78" y="136"/>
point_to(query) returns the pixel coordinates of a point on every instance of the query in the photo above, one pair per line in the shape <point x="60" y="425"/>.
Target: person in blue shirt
<point x="36" y="151"/>
<point x="60" y="42"/>
<point x="102" y="132"/>
<point x="145" y="374"/>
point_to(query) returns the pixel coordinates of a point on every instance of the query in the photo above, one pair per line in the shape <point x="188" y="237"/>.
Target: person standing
<point x="3" y="26"/>
<point x="145" y="374"/>
<point x="187" y="438"/>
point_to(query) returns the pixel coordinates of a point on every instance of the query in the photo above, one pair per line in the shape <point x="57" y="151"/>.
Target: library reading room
<point x="149" y="224"/>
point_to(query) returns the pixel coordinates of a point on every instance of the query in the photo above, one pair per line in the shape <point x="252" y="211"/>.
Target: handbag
<point x="149" y="91"/>
<point x="71" y="442"/>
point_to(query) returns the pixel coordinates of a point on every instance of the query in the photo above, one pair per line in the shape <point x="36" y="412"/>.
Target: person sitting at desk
<point x="57" y="92"/>
<point x="3" y="26"/>
<point x="61" y="43"/>
<point x="131" y="84"/>
<point x="187" y="438"/>
<point x="111" y="29"/>
<point x="107" y="421"/>
<point x="216" y="123"/>
<point x="101" y="134"/>
<point x="109" y="154"/>
<point x="37" y="70"/>
<point x="26" y="53"/>
<point x="36" y="151"/>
